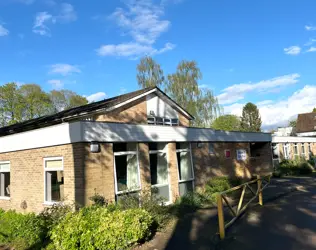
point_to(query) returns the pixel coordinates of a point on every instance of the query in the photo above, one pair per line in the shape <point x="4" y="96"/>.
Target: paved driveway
<point x="287" y="223"/>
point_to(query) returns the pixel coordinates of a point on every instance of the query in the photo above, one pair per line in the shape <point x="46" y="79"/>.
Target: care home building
<point x="124" y="144"/>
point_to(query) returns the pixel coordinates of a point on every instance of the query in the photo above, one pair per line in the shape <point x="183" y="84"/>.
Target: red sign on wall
<point x="227" y="153"/>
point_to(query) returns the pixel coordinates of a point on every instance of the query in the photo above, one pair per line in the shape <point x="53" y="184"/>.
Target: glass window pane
<point x="127" y="172"/>
<point x="185" y="187"/>
<point x="54" y="164"/>
<point x="123" y="147"/>
<point x="161" y="192"/>
<point x="184" y="165"/>
<point x="182" y="145"/>
<point x="303" y="149"/>
<point x="5" y="184"/>
<point x="159" y="168"/>
<point x="54" y="186"/>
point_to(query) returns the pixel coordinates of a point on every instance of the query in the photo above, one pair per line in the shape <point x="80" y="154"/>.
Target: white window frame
<point x="303" y="147"/>
<point x="6" y="162"/>
<point x="296" y="147"/>
<point x="286" y="148"/>
<point x="165" y="150"/>
<point x="138" y="168"/>
<point x="165" y="121"/>
<point x="46" y="159"/>
<point x="192" y="168"/>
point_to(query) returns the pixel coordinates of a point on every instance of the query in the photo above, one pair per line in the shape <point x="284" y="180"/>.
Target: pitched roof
<point x="105" y="104"/>
<point x="306" y="122"/>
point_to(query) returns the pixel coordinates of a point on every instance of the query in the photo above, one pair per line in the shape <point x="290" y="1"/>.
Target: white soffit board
<point x="115" y="132"/>
<point x="119" y="132"/>
<point x="297" y="139"/>
<point x="307" y="134"/>
<point x="54" y="135"/>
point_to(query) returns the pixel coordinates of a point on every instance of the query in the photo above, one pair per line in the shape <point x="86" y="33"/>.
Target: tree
<point x="149" y="73"/>
<point x="35" y="101"/>
<point x="314" y="110"/>
<point x="183" y="87"/>
<point x="227" y="123"/>
<point x="65" y="99"/>
<point x="11" y="104"/>
<point x="292" y="123"/>
<point x="250" y="120"/>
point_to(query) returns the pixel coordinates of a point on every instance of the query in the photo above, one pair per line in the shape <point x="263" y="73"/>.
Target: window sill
<point x="5" y="198"/>
<point x="51" y="203"/>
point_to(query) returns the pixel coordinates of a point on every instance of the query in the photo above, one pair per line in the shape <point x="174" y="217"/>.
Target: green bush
<point x="98" y="228"/>
<point x="23" y="231"/>
<point x="53" y="214"/>
<point x="99" y="200"/>
<point x="298" y="166"/>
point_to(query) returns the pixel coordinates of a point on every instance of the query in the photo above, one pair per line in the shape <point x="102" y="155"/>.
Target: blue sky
<point x="258" y="51"/>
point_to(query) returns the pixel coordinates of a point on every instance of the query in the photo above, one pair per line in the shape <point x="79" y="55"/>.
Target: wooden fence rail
<point x="236" y="212"/>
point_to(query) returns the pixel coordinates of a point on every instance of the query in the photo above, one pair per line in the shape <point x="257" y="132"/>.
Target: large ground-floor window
<point x="127" y="178"/>
<point x="159" y="170"/>
<point x="4" y="179"/>
<point x="54" y="179"/>
<point x="185" y="168"/>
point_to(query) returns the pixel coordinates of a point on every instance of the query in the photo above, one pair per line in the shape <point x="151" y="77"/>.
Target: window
<point x="159" y="169"/>
<point x="162" y="121"/>
<point x="295" y="149"/>
<point x="54" y="179"/>
<point x="211" y="149"/>
<point x="303" y="149"/>
<point x="5" y="179"/>
<point x="309" y="148"/>
<point x="286" y="150"/>
<point x="275" y="151"/>
<point x="185" y="168"/>
<point x="127" y="177"/>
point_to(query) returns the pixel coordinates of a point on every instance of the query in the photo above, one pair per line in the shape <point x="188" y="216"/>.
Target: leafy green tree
<point x="314" y="110"/>
<point x="227" y="123"/>
<point x="292" y="123"/>
<point x="11" y="104"/>
<point x="183" y="87"/>
<point x="149" y="73"/>
<point x="250" y="120"/>
<point x="65" y="99"/>
<point x="36" y="102"/>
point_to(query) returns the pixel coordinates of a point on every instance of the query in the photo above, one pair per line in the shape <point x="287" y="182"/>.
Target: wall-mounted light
<point x="94" y="147"/>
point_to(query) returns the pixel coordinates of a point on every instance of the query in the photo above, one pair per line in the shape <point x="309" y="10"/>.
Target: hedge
<point x="98" y="228"/>
<point x="23" y="231"/>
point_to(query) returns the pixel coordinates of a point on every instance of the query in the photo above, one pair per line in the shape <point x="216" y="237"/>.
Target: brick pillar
<point x="144" y="166"/>
<point x="173" y="170"/>
<point x="107" y="163"/>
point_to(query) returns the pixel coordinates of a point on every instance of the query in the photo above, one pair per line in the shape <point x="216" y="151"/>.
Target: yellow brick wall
<point x="173" y="170"/>
<point x="27" y="176"/>
<point x="208" y="165"/>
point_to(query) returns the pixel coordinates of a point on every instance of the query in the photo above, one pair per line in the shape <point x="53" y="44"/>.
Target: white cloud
<point x="43" y="19"/>
<point x="311" y="49"/>
<point x="275" y="114"/>
<point x="310" y="42"/>
<point x="237" y="92"/>
<point x="142" y="20"/>
<point x="40" y="26"/>
<point x="3" y="31"/>
<point x="64" y="69"/>
<point x="132" y="50"/>
<point x="293" y="50"/>
<point x="57" y="84"/>
<point x="67" y="13"/>
<point x="310" y="27"/>
<point x="96" y="97"/>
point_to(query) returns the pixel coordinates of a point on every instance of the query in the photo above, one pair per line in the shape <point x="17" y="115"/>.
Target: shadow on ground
<point x="285" y="222"/>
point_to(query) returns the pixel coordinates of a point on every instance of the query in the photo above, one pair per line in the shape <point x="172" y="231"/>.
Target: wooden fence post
<point x="260" y="190"/>
<point x="220" y="211"/>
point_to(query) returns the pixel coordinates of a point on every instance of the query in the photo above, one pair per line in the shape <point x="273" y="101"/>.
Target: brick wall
<point x="299" y="148"/>
<point x="134" y="112"/>
<point x="173" y="171"/>
<point x="99" y="173"/>
<point x="208" y="165"/>
<point x="27" y="176"/>
<point x="183" y="121"/>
